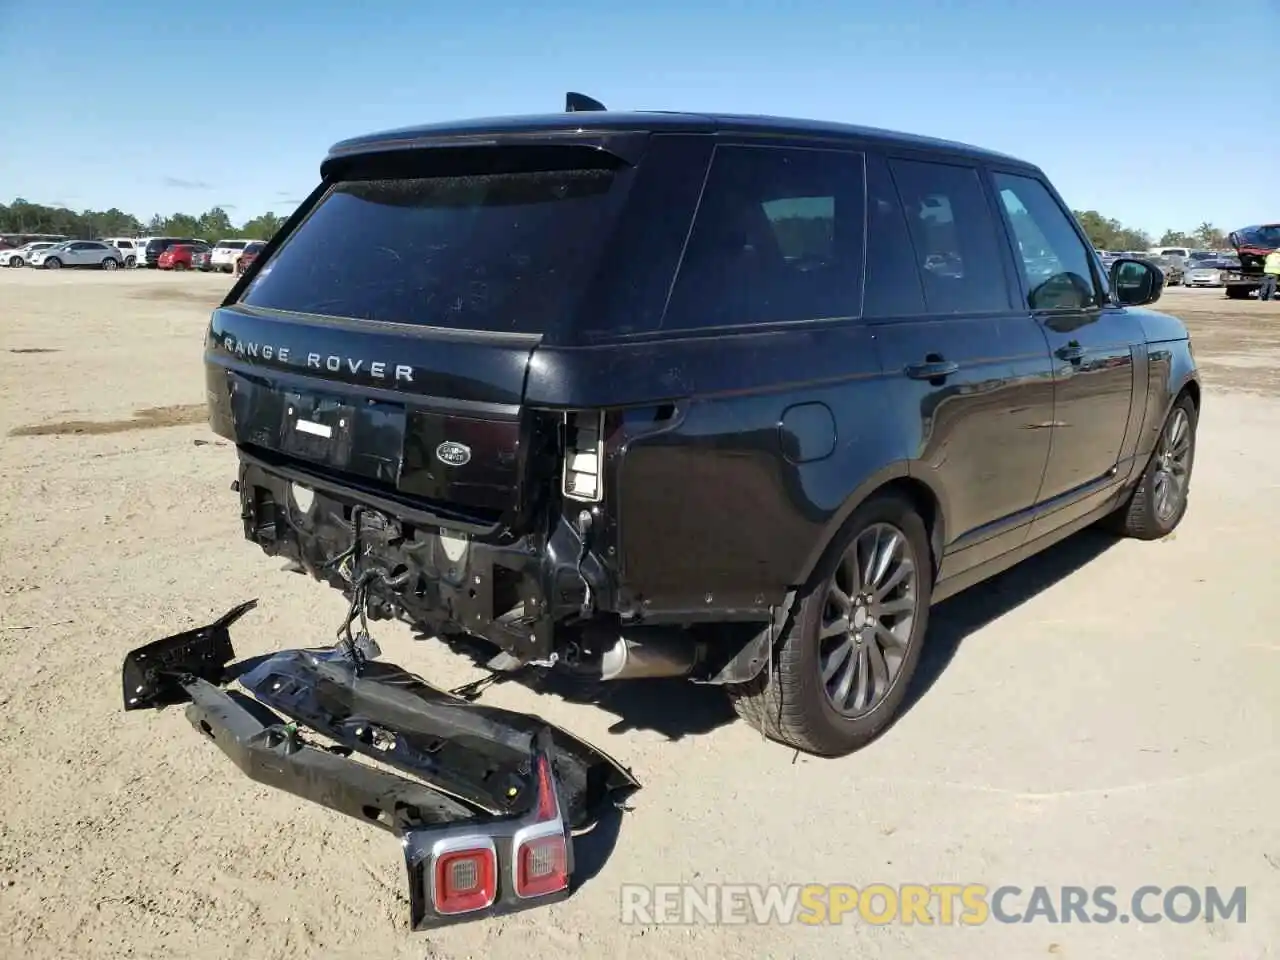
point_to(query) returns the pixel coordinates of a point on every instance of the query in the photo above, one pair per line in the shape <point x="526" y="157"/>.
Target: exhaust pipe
<point x="646" y="653"/>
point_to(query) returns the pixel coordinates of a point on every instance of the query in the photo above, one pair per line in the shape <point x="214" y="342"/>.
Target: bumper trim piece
<point x="454" y="776"/>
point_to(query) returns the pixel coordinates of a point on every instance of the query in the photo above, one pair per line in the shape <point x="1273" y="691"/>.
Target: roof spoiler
<point x="574" y="102"/>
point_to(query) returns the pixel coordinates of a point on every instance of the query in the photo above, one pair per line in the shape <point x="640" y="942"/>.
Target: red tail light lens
<point x="542" y="866"/>
<point x="542" y="849"/>
<point x="465" y="879"/>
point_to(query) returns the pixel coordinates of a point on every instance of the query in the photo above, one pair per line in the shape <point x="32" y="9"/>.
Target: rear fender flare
<point x="912" y="479"/>
<point x="900" y="477"/>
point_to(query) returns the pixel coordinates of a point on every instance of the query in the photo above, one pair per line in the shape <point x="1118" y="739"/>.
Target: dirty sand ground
<point x="1105" y="715"/>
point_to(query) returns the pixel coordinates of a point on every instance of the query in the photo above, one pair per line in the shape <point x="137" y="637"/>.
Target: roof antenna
<point x="573" y="102"/>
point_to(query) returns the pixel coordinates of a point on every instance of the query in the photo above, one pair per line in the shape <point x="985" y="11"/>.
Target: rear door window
<point x="893" y="287"/>
<point x="500" y="251"/>
<point x="777" y="238"/>
<point x="955" y="237"/>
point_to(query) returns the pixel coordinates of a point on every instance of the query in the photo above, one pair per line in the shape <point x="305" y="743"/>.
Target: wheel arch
<point x="896" y="479"/>
<point x="1191" y="388"/>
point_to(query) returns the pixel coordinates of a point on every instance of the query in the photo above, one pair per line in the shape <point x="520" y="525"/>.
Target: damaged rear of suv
<point x="666" y="394"/>
<point x="651" y="395"/>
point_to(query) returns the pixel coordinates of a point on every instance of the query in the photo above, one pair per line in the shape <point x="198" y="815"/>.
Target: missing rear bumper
<point x="483" y="800"/>
<point x="515" y="592"/>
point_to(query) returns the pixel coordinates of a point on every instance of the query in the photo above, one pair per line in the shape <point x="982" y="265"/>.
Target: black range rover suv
<point x="656" y="394"/>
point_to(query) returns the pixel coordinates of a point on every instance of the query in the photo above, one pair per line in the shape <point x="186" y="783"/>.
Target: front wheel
<point x="53" y="263"/>
<point x="15" y="261"/>
<point x="1159" y="501"/>
<point x="130" y="262"/>
<point x="851" y="644"/>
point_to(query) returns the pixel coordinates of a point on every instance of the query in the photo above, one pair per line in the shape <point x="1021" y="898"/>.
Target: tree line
<point x="1109" y="234"/>
<point x="22" y="216"/>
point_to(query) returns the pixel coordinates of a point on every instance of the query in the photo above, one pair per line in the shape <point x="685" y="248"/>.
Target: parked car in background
<point x="128" y="247"/>
<point x="78" y="253"/>
<point x="1182" y="253"/>
<point x="158" y="245"/>
<point x="180" y="256"/>
<point x="1203" y="269"/>
<point x="226" y="252"/>
<point x="250" y="253"/>
<point x="201" y="260"/>
<point x="18" y="256"/>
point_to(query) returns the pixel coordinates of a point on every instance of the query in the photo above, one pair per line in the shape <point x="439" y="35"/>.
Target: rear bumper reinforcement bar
<point x="491" y="794"/>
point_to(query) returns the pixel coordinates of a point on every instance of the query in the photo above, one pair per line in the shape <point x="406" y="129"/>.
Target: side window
<point x="893" y="278"/>
<point x="956" y="241"/>
<point x="777" y="237"/>
<point x="1055" y="262"/>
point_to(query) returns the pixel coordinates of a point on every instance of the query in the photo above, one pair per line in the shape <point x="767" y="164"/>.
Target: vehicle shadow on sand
<point x="677" y="709"/>
<point x="951" y="621"/>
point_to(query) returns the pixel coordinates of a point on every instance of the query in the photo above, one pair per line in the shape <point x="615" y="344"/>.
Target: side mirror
<point x="1136" y="282"/>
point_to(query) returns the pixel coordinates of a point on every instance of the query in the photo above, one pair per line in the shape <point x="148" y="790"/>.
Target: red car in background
<point x="251" y="251"/>
<point x="181" y="256"/>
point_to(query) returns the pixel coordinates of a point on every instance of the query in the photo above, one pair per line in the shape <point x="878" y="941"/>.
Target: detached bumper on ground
<point x="483" y="800"/>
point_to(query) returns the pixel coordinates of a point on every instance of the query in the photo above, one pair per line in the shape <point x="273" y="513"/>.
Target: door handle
<point x="934" y="368"/>
<point x="1073" y="354"/>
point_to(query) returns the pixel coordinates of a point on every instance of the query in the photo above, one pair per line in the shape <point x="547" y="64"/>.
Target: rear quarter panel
<point x="726" y="503"/>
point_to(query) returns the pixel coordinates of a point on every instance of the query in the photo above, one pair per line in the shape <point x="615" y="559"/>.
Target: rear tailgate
<point x="374" y="405"/>
<point x="388" y="338"/>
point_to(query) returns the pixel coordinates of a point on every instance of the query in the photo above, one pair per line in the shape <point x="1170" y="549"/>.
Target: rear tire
<point x="1159" y="501"/>
<point x="110" y="263"/>
<point x="1237" y="293"/>
<point x="795" y="702"/>
<point x="53" y="263"/>
<point x="15" y="261"/>
<point x="130" y="262"/>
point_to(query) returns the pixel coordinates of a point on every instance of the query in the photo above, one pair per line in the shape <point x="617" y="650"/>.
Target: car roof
<point x="593" y="122"/>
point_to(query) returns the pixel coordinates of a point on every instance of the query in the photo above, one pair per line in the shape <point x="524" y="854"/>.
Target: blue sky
<point x="167" y="107"/>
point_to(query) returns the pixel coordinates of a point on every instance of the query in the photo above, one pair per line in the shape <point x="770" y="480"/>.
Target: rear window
<point x="777" y="238"/>
<point x="254" y="247"/>
<point x="500" y="252"/>
<point x="231" y="244"/>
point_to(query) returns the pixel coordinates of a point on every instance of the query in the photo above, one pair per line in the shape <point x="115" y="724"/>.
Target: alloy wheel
<point x="1172" y="466"/>
<point x="867" y="620"/>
